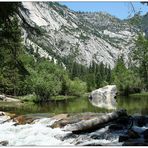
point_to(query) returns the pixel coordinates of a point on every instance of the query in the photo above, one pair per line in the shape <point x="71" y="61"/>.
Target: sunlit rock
<point x="104" y="97"/>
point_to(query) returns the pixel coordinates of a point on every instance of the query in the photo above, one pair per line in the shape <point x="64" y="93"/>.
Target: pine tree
<point x="12" y="69"/>
<point x="140" y="54"/>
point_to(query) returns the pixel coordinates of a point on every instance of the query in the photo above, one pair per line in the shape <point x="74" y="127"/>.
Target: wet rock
<point x="115" y="127"/>
<point x="133" y="134"/>
<point x="4" y="143"/>
<point x="145" y="134"/>
<point x="123" y="138"/>
<point x="20" y="120"/>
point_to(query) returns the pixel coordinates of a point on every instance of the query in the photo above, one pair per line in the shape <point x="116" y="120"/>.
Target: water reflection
<point x="133" y="105"/>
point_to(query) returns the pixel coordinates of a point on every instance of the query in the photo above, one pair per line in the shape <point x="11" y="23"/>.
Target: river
<point x="40" y="133"/>
<point x="133" y="105"/>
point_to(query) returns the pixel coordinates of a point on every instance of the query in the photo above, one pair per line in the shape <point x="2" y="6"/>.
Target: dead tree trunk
<point x="95" y="123"/>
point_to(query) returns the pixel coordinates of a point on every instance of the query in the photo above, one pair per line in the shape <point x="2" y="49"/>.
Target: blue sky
<point x="119" y="9"/>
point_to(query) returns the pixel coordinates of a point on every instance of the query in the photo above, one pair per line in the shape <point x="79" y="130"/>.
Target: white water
<point x="32" y="134"/>
<point x="40" y="134"/>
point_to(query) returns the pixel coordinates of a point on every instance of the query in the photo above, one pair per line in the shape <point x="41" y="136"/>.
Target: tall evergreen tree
<point x="12" y="69"/>
<point x="140" y="54"/>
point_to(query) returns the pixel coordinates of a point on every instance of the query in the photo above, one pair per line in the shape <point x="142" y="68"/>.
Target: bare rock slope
<point x="54" y="31"/>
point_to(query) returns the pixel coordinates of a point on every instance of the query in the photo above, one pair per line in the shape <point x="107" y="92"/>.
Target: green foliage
<point x="140" y="55"/>
<point x="46" y="86"/>
<point x="22" y="74"/>
<point x="125" y="79"/>
<point x="95" y="76"/>
<point x="12" y="70"/>
<point x="46" y="79"/>
<point x="77" y="87"/>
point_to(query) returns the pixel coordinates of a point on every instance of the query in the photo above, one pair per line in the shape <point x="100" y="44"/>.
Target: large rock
<point x="104" y="97"/>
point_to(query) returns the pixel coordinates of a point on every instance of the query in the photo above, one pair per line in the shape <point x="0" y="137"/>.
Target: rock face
<point x="104" y="97"/>
<point x="54" y="31"/>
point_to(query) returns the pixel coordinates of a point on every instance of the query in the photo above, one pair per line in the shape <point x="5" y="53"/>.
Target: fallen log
<point x="95" y="123"/>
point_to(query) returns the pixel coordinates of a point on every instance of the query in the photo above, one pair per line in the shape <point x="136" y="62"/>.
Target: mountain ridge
<point x="78" y="36"/>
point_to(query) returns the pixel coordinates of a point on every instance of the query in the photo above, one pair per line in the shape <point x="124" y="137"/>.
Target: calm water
<point x="134" y="105"/>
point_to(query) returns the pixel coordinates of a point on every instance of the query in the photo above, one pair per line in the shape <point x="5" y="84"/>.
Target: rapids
<point x="39" y="133"/>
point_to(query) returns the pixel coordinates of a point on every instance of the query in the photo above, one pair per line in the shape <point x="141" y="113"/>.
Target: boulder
<point x="104" y="97"/>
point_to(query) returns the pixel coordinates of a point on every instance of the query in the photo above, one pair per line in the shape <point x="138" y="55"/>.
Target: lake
<point x="133" y="105"/>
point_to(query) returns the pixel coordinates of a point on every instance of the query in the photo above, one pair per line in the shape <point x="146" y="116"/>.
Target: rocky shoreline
<point x="126" y="130"/>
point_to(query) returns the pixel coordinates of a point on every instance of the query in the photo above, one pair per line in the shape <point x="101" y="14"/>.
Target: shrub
<point x="46" y="86"/>
<point x="77" y="87"/>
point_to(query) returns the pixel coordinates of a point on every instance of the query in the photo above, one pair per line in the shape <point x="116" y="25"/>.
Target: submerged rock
<point x="104" y="97"/>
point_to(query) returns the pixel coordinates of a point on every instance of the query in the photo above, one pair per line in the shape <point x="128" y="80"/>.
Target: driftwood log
<point x="95" y="123"/>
